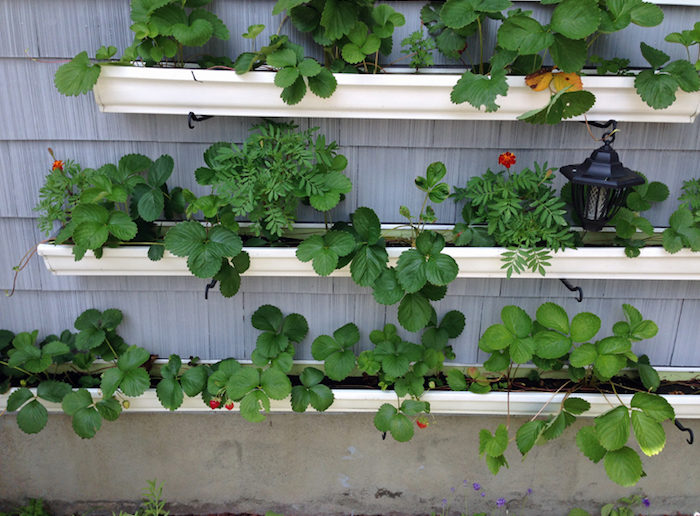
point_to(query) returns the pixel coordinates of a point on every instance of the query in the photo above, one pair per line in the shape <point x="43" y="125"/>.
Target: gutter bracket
<point x="682" y="428"/>
<point x="196" y="118"/>
<point x="211" y="284"/>
<point x="568" y="285"/>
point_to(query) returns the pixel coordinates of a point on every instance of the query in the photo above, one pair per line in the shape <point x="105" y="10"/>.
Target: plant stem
<point x="550" y="400"/>
<point x="481" y="46"/>
<point x="284" y="19"/>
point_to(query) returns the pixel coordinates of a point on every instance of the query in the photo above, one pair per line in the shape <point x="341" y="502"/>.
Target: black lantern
<point x="599" y="185"/>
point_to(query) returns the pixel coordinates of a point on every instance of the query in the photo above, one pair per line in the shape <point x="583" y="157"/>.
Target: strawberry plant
<point x="422" y="272"/>
<point x="552" y="341"/>
<point x="111" y="204"/>
<point x="352" y="35"/>
<point x="162" y="30"/>
<point x="522" y="41"/>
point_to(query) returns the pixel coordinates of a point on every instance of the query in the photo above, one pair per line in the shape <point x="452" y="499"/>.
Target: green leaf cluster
<point x="552" y="341"/>
<point x="684" y="223"/>
<point x="273" y="355"/>
<point x="422" y="273"/>
<point x="175" y="383"/>
<point x="295" y="73"/>
<point x="521" y="211"/>
<point x="109" y="205"/>
<point x="607" y="439"/>
<point x="272" y="172"/>
<point x="352" y="33"/>
<point x="658" y="85"/>
<point x="162" y="29"/>
<point x="628" y="222"/>
<point x="405" y="366"/>
<point x="419" y="49"/>
<point x="396" y="421"/>
<point x="41" y="365"/>
<point x="522" y="41"/>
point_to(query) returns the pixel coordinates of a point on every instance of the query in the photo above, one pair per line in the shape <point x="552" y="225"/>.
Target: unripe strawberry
<point x="126" y="404"/>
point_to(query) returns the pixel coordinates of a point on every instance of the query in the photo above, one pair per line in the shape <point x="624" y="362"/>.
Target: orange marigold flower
<point x="57" y="164"/>
<point x="507" y="159"/>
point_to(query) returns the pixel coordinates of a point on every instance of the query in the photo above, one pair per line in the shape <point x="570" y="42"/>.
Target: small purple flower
<point x="452" y="489"/>
<point x="646" y="502"/>
<point x="444" y="502"/>
<point x="483" y="494"/>
<point x="476" y="486"/>
<point x="500" y="502"/>
<point x="529" y="491"/>
<point x="465" y="483"/>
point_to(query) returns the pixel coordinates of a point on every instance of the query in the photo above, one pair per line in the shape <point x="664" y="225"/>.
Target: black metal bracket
<point x="680" y="427"/>
<point x="568" y="285"/>
<point x="211" y="284"/>
<point x="196" y="118"/>
<point x="383" y="436"/>
<point x="609" y="136"/>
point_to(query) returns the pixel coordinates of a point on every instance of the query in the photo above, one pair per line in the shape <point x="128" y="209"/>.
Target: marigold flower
<point x="507" y="159"/>
<point x="57" y="164"/>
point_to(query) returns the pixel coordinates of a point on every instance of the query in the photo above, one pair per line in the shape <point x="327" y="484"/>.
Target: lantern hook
<point x="682" y="428"/>
<point x="609" y="136"/>
<point x="211" y="284"/>
<point x="568" y="285"/>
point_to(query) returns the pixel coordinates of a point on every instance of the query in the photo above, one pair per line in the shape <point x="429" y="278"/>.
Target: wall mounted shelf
<point x="179" y="91"/>
<point x="474" y="262"/>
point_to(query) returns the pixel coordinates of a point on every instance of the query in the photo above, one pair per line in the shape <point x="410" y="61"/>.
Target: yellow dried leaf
<point x="563" y="80"/>
<point x="540" y="79"/>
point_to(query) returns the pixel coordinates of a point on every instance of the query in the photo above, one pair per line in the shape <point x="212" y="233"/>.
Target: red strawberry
<point x="229" y="405"/>
<point x="422" y="423"/>
<point x="214" y="403"/>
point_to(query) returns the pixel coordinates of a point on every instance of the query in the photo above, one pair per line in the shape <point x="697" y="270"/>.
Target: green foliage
<point x="38" y="365"/>
<point x="521" y="212"/>
<point x="404" y="366"/>
<point x="419" y="49"/>
<point x="622" y="507"/>
<point x="352" y="35"/>
<point x="109" y="205"/>
<point x="275" y="169"/>
<point x="548" y="341"/>
<point x="628" y="221"/>
<point x="33" y="507"/>
<point x="684" y="223"/>
<point x="162" y="29"/>
<point x="658" y="86"/>
<point x="521" y="43"/>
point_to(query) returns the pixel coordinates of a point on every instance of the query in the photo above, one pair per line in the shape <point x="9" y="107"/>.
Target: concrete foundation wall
<point x="321" y="464"/>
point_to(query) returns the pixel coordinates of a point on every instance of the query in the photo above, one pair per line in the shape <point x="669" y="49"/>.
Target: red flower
<point x="422" y="423"/>
<point x="507" y="159"/>
<point x="214" y="403"/>
<point x="57" y="164"/>
<point x="229" y="405"/>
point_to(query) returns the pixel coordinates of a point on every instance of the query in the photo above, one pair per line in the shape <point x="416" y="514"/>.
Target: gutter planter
<point x="653" y="263"/>
<point x="179" y="91"/>
<point x="445" y="403"/>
